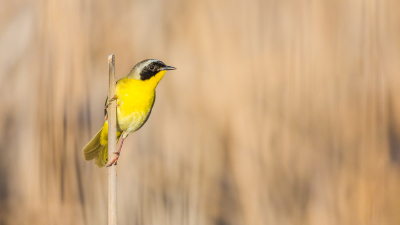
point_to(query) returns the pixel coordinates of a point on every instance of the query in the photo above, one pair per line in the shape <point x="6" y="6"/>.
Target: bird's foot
<point x="109" y="102"/>
<point x="114" y="161"/>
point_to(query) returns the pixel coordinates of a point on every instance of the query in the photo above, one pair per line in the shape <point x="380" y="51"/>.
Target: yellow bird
<point x="135" y="95"/>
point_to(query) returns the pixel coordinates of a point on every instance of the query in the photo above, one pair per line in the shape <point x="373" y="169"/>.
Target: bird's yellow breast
<point x="135" y="100"/>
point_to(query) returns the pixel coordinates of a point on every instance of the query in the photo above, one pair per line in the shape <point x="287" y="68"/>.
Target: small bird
<point x="135" y="95"/>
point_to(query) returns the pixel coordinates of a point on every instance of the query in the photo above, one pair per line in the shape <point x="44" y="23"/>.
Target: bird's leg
<point x="119" y="150"/>
<point x="106" y="106"/>
<point x="114" y="161"/>
<point x="109" y="102"/>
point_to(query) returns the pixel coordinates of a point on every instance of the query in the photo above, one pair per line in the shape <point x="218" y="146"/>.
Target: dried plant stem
<point x="112" y="137"/>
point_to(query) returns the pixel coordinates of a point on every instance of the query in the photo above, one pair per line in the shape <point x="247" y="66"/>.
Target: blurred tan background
<point x="280" y="112"/>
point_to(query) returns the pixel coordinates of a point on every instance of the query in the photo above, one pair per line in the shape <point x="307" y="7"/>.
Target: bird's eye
<point x="151" y="67"/>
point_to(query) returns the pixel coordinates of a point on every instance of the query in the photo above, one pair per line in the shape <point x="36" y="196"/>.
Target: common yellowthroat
<point x="135" y="95"/>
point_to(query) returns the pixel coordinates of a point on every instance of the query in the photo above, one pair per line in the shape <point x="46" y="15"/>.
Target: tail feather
<point x="102" y="157"/>
<point x="91" y="150"/>
<point x="97" y="148"/>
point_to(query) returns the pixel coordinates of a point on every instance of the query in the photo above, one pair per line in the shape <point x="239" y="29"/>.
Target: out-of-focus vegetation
<point x="280" y="112"/>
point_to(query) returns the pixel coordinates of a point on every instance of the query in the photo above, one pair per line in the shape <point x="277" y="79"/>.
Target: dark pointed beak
<point x="168" y="68"/>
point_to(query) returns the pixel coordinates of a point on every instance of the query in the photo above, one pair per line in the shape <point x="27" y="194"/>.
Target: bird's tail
<point x="97" y="148"/>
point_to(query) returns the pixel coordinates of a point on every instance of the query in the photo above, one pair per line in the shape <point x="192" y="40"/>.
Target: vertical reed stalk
<point x="112" y="139"/>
